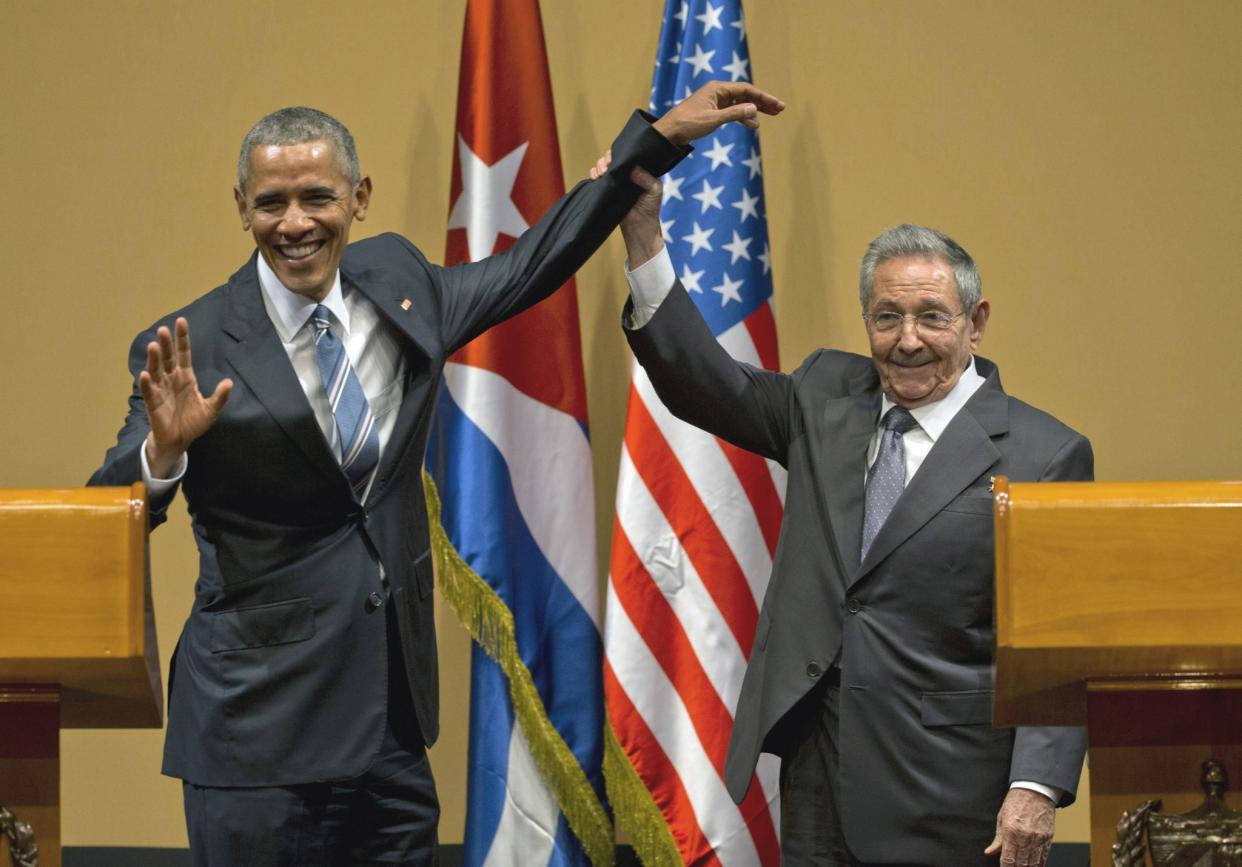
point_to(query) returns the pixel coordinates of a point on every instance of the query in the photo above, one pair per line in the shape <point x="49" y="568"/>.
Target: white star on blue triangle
<point x="717" y="173"/>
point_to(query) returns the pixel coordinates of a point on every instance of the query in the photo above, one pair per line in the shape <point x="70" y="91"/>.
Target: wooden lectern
<point x="77" y="638"/>
<point x="1119" y="606"/>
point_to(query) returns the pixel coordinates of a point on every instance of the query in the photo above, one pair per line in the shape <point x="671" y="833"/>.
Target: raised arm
<point x="477" y="295"/>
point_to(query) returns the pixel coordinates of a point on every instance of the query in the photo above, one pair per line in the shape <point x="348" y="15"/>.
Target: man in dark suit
<point x="871" y="670"/>
<point x="304" y="686"/>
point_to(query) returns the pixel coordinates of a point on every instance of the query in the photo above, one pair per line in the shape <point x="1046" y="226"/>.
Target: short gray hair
<point x="297" y="125"/>
<point x="909" y="240"/>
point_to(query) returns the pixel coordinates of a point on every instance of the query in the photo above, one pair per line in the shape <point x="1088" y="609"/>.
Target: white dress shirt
<point x="932" y="419"/>
<point x="650" y="284"/>
<point x="372" y="348"/>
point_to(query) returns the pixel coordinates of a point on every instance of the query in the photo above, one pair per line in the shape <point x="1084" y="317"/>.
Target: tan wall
<point x="1086" y="153"/>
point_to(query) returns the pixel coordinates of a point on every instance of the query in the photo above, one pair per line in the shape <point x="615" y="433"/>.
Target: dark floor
<point x="1063" y="855"/>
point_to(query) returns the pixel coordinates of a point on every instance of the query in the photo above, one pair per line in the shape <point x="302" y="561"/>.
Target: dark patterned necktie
<point x="355" y="424"/>
<point x="887" y="478"/>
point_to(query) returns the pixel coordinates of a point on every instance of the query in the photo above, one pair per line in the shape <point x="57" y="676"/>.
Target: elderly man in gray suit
<point x="871" y="673"/>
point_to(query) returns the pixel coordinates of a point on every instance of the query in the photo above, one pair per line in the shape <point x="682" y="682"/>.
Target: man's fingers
<point x="144" y="385"/>
<point x="740" y="92"/>
<point x="645" y="180"/>
<point x="154" y="366"/>
<point x="168" y="358"/>
<point x="995" y="845"/>
<point x="601" y="165"/>
<point x="220" y="396"/>
<point x="183" y="343"/>
<point x="744" y="113"/>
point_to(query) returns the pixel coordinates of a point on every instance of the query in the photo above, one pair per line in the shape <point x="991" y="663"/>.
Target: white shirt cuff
<point x="1047" y="791"/>
<point x="158" y="487"/>
<point x="650" y="284"/>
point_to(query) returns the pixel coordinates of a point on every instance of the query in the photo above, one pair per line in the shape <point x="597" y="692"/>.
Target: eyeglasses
<point x="928" y="320"/>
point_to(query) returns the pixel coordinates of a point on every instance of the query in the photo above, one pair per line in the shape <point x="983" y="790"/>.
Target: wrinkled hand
<point x="177" y="411"/>
<point x="1024" y="829"/>
<point x="712" y="106"/>
<point x="641" y="226"/>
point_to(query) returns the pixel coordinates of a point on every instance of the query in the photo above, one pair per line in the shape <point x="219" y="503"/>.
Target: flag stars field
<point x="690" y="279"/>
<point x="711" y="18"/>
<point x="699" y="239"/>
<point x="746" y="205"/>
<point x="728" y="290"/>
<point x="672" y="188"/>
<point x="666" y="230"/>
<point x="737" y="69"/>
<point x="702" y="62"/>
<point x="739" y="248"/>
<point x="709" y="196"/>
<point x="754" y="164"/>
<point x="719" y="153"/>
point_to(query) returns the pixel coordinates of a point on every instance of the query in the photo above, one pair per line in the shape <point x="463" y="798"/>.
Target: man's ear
<point x="242" y="210"/>
<point x="362" y="197"/>
<point x="979" y="322"/>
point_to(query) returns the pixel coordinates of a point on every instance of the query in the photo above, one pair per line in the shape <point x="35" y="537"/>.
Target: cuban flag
<point x="697" y="518"/>
<point x="510" y="457"/>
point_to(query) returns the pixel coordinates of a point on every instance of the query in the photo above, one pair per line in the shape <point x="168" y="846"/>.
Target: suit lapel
<point x="401" y="309"/>
<point x="962" y="453"/>
<point x="260" y="361"/>
<point x="848" y="424"/>
<point x="396" y="304"/>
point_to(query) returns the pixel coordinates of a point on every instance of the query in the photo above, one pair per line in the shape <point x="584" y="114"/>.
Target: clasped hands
<point x="706" y="110"/>
<point x="179" y="413"/>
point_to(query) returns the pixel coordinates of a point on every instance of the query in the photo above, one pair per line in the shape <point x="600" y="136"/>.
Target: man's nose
<point x="909" y="339"/>
<point x="295" y="222"/>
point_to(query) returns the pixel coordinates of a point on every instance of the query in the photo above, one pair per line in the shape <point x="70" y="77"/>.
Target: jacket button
<point x="375" y="600"/>
<point x="813" y="670"/>
<point x="853" y="606"/>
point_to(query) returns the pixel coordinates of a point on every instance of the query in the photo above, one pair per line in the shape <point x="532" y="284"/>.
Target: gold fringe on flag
<point x="638" y="816"/>
<point x="490" y="623"/>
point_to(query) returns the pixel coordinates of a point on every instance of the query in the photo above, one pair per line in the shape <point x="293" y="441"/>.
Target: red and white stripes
<point x="696" y="525"/>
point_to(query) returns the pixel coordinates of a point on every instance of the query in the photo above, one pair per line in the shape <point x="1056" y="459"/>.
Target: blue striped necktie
<point x="887" y="478"/>
<point x="355" y="423"/>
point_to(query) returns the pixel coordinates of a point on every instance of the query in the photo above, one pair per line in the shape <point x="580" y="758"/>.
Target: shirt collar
<point x="289" y="310"/>
<point x="934" y="417"/>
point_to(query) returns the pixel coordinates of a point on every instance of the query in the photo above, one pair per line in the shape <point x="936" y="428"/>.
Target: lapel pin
<point x="991" y="484"/>
<point x="406" y="303"/>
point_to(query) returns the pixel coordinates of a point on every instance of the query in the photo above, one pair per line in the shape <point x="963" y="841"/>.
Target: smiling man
<point x="303" y="690"/>
<point x="871" y="671"/>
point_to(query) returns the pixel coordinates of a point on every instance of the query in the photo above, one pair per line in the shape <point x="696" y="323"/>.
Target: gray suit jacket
<point x="280" y="674"/>
<point x="922" y="771"/>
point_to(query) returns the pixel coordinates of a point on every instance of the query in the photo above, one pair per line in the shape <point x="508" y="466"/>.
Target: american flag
<point x="697" y="519"/>
<point x="510" y="455"/>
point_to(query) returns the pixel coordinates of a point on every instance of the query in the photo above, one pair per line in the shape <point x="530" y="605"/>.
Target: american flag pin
<point x="406" y="303"/>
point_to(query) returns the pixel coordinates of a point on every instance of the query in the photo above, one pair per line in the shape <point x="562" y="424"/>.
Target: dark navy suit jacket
<point x="280" y="673"/>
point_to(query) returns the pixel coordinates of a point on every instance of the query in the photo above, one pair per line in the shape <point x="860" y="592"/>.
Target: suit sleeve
<point x="477" y="295"/>
<point x="122" y="464"/>
<point x="703" y="385"/>
<point x="1053" y="755"/>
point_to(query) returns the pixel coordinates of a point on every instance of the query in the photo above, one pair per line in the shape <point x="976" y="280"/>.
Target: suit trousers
<point x="388" y="815"/>
<point x="811" y="834"/>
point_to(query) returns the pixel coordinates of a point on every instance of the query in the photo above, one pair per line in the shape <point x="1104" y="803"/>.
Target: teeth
<point x="299" y="251"/>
